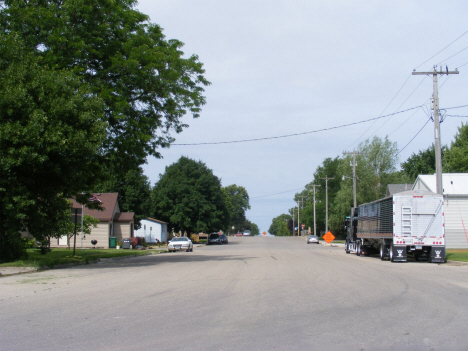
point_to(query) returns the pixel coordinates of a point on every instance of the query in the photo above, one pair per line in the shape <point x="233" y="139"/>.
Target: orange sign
<point x="264" y="233"/>
<point x="329" y="237"/>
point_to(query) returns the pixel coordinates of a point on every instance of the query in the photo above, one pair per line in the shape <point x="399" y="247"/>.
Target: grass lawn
<point x="65" y="256"/>
<point x="457" y="255"/>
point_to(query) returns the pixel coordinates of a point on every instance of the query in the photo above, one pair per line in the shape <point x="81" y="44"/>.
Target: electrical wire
<point x="297" y="134"/>
<point x="430" y="58"/>
<point x="381" y="112"/>
<point x="284" y="192"/>
<point x="399" y="152"/>
<point x="451" y="56"/>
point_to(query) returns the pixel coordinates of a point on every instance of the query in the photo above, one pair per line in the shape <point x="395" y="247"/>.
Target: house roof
<point x="155" y="220"/>
<point x="397" y="188"/>
<point x="124" y="217"/>
<point x="108" y="202"/>
<point x="452" y="183"/>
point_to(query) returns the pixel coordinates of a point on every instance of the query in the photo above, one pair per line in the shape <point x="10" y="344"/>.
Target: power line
<point x="298" y="134"/>
<point x="284" y="192"/>
<point x="381" y="112"/>
<point x="451" y="108"/>
<point x="399" y="152"/>
<point x="430" y="58"/>
<point x="452" y="56"/>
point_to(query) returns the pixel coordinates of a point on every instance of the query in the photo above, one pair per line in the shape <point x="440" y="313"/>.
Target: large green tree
<point x="279" y="225"/>
<point x="143" y="79"/>
<point x="456" y="157"/>
<point x="237" y="201"/>
<point x="51" y="129"/>
<point x="188" y="196"/>
<point x="421" y="163"/>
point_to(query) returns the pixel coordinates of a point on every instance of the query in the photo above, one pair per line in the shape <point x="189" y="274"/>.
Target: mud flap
<point x="399" y="253"/>
<point x="438" y="254"/>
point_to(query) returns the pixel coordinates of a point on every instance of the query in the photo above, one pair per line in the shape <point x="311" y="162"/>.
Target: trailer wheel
<point x="382" y="251"/>
<point x="358" y="248"/>
<point x="390" y="253"/>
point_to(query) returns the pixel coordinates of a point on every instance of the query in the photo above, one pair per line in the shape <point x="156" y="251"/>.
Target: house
<point x="455" y="191"/>
<point x="152" y="229"/>
<point x="112" y="224"/>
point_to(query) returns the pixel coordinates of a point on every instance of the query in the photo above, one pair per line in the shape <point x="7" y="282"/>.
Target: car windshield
<point x="313" y="236"/>
<point x="214" y="236"/>
<point x="180" y="239"/>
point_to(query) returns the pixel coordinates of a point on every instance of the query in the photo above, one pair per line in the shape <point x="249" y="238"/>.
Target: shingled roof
<point x="108" y="202"/>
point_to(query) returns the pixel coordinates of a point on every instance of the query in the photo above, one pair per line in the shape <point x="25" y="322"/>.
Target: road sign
<point x="295" y="228"/>
<point x="264" y="233"/>
<point x="303" y="226"/>
<point x="329" y="237"/>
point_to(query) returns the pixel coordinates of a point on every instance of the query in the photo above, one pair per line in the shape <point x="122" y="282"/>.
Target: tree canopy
<point x="51" y="128"/>
<point x="237" y="201"/>
<point x="279" y="225"/>
<point x="188" y="196"/>
<point x="456" y="157"/>
<point x="143" y="80"/>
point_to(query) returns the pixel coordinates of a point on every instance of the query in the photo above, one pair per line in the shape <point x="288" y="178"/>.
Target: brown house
<point x="112" y="224"/>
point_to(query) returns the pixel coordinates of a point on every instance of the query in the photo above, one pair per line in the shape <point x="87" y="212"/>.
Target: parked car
<point x="179" y="244"/>
<point x="224" y="239"/>
<point x="246" y="232"/>
<point x="214" y="238"/>
<point x="312" y="239"/>
<point x="239" y="234"/>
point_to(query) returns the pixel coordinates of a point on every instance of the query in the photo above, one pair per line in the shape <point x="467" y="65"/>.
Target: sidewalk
<point x="5" y="271"/>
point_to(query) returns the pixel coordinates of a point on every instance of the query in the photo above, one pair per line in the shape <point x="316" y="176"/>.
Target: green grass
<point x="457" y="255"/>
<point x="65" y="256"/>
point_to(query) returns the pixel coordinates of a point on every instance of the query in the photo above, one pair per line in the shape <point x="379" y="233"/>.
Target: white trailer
<point x="410" y="223"/>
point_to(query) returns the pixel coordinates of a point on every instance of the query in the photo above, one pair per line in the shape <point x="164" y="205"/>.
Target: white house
<point x="455" y="190"/>
<point x="152" y="229"/>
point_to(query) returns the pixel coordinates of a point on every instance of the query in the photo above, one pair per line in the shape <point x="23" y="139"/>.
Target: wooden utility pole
<point x="315" y="223"/>
<point x="354" y="153"/>
<point x="435" y="104"/>
<point x="326" y="202"/>
<point x="299" y="223"/>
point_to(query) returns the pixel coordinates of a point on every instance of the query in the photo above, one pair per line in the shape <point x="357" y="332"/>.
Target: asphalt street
<point x="256" y="293"/>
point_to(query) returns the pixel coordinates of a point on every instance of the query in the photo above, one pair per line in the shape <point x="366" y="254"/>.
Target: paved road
<point x="253" y="294"/>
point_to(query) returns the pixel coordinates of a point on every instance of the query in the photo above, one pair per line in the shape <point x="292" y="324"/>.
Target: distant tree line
<point x="376" y="168"/>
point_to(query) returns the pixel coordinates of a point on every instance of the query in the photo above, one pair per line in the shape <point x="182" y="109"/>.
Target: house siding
<point x="122" y="230"/>
<point x="154" y="230"/>
<point x="100" y="233"/>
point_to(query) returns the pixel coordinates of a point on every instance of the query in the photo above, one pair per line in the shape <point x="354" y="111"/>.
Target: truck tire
<point x="347" y="246"/>
<point x="382" y="252"/>
<point x="390" y="253"/>
<point x="358" y="248"/>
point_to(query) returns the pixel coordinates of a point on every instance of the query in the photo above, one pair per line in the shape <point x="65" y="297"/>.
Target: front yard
<point x="65" y="256"/>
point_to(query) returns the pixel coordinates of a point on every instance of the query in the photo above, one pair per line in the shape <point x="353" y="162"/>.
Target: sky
<point x="289" y="67"/>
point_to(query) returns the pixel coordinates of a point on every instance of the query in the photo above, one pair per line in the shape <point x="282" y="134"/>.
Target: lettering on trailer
<point x="438" y="253"/>
<point x="399" y="253"/>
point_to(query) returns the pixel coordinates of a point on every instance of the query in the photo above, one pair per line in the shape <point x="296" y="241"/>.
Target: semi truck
<point x="406" y="224"/>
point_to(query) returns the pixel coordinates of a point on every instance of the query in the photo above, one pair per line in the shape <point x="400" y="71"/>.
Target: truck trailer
<point x="410" y="223"/>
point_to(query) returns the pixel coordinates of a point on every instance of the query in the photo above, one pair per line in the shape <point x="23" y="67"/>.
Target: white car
<point x="312" y="239"/>
<point x="179" y="244"/>
<point x="246" y="233"/>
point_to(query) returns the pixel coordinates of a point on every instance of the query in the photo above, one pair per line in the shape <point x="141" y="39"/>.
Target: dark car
<point x="214" y="238"/>
<point x="224" y="239"/>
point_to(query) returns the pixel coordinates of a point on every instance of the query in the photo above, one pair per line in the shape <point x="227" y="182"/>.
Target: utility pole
<point x="354" y="153"/>
<point x="326" y="202"/>
<point x="435" y="102"/>
<point x="299" y="223"/>
<point x="315" y="225"/>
